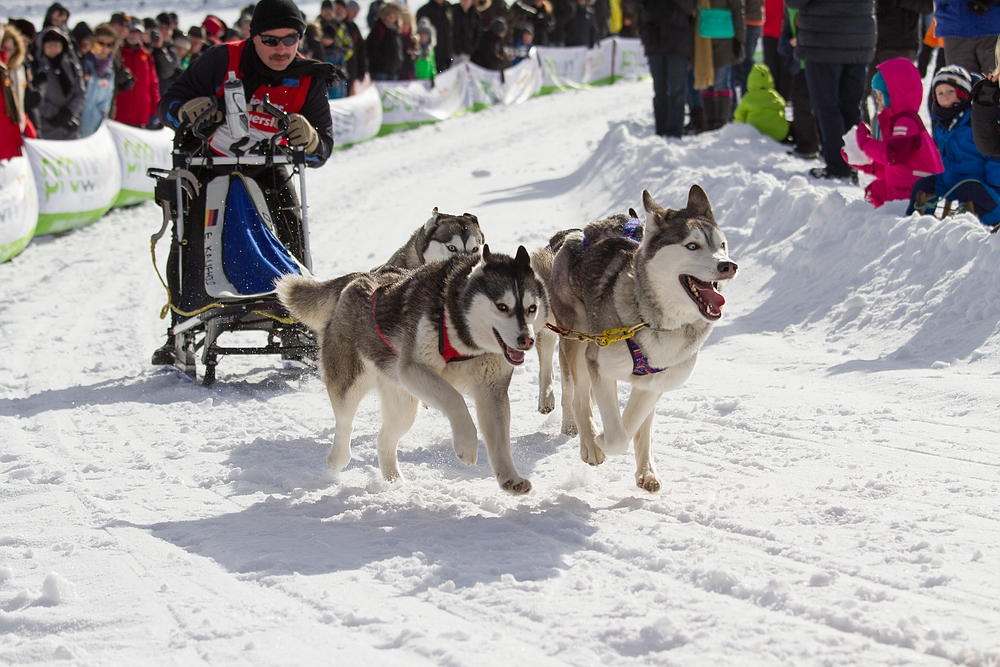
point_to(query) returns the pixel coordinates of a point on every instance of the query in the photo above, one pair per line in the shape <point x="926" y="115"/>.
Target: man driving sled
<point x="266" y="63"/>
<point x="248" y="75"/>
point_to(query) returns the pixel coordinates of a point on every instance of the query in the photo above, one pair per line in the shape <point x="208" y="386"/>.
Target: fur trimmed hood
<point x="20" y="46"/>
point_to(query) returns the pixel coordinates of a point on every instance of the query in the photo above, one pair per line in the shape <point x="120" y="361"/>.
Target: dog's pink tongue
<point x="710" y="296"/>
<point x="517" y="356"/>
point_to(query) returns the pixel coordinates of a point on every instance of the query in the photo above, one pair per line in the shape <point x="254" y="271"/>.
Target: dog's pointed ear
<point x="522" y="259"/>
<point x="470" y="217"/>
<point x="651" y="206"/>
<point x="433" y="221"/>
<point x="632" y="213"/>
<point x="698" y="202"/>
<point x="487" y="255"/>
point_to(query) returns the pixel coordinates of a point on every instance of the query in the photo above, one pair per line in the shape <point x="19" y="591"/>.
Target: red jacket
<point x="10" y="131"/>
<point x="773" y="11"/>
<point x="137" y="106"/>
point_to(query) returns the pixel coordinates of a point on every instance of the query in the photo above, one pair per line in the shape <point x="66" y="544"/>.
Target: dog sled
<point x="236" y="226"/>
<point x="950" y="204"/>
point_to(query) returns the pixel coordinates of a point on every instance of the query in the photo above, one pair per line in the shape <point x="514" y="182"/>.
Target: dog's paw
<point x="569" y="425"/>
<point x="338" y="457"/>
<point x="612" y="444"/>
<point x="466" y="446"/>
<point x="391" y="473"/>
<point x="546" y="401"/>
<point x="591" y="455"/>
<point x="648" y="482"/>
<point x="516" y="486"/>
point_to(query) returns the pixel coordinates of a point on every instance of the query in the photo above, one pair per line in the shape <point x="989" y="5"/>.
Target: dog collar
<point x="447" y="350"/>
<point x="632" y="227"/>
<point x="640" y="364"/>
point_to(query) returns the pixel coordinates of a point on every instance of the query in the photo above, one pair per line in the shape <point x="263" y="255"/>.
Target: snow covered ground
<point x="830" y="470"/>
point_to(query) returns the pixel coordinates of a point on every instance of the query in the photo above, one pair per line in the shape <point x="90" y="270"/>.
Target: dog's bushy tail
<point x="311" y="302"/>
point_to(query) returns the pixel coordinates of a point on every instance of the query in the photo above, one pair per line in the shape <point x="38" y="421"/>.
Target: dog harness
<point x="447" y="350"/>
<point x="640" y="364"/>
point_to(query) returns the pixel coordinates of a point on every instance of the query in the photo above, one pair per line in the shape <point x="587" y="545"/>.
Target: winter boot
<point x="697" y="123"/>
<point x="721" y="113"/>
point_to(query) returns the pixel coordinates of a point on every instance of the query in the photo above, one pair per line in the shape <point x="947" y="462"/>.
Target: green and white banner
<point x="138" y="150"/>
<point x="407" y="104"/>
<point x="18" y="206"/>
<point x="77" y="181"/>
<point x="356" y="118"/>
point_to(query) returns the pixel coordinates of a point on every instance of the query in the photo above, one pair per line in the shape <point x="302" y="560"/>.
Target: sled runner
<point x="236" y="227"/>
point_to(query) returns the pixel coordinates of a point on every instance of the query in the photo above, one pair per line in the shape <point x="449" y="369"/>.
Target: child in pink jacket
<point x="901" y="150"/>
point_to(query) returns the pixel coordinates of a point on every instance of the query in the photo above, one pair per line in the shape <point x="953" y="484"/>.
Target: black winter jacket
<point x="384" y="48"/>
<point x="666" y="27"/>
<point x="440" y="16"/>
<point x="835" y="31"/>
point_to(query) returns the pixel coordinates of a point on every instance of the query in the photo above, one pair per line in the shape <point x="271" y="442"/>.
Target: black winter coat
<point x="835" y="31"/>
<point x="440" y="16"/>
<point x="582" y="28"/>
<point x="986" y="117"/>
<point x="490" y="54"/>
<point x="384" y="47"/>
<point x="666" y="27"/>
<point x="467" y="29"/>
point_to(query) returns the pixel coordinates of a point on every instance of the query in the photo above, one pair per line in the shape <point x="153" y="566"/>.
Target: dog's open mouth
<point x="706" y="295"/>
<point x="513" y="355"/>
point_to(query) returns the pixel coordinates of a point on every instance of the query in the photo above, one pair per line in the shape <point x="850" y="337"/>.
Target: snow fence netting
<point x="138" y="150"/>
<point x="18" y="206"/>
<point x="77" y="181"/>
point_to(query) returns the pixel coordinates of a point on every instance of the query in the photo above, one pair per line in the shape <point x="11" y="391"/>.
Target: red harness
<point x="447" y="350"/>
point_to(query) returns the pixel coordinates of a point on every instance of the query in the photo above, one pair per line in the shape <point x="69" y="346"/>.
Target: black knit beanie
<point x="274" y="14"/>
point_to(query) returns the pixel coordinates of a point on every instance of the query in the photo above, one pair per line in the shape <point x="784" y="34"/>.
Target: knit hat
<point x="275" y="14"/>
<point x="82" y="31"/>
<point x="955" y="76"/>
<point x="326" y="4"/>
<point x="195" y="32"/>
<point x="499" y="26"/>
<point x="878" y="83"/>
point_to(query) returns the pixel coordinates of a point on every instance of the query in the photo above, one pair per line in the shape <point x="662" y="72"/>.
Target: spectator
<point x="805" y="134"/>
<point x="182" y="47"/>
<point x="969" y="29"/>
<point x="521" y="46"/>
<point x="534" y="14"/>
<point x="165" y="59"/>
<point x="14" y="48"/>
<point x="384" y="45"/>
<point x="137" y="106"/>
<point x="490" y="54"/>
<point x="197" y="38"/>
<point x="581" y="30"/>
<point x="99" y="79"/>
<point x="214" y="30"/>
<point x="120" y="22"/>
<point x="986" y="111"/>
<point x="12" y="122"/>
<point x="337" y="49"/>
<point x="630" y="18"/>
<point x="439" y="13"/>
<point x="774" y="11"/>
<point x="326" y="14"/>
<point x="968" y="176"/>
<point x="836" y="39"/>
<point x="897" y="25"/>
<point x="762" y="106"/>
<point x="59" y="83"/>
<point x="357" y="66"/>
<point x="425" y="64"/>
<point x="666" y="28"/>
<point x="468" y="27"/>
<point x="713" y="74"/>
<point x="562" y="13"/>
<point x="754" y="25"/>
<point x="83" y="38"/>
<point x="901" y="150"/>
<point x="56" y="15"/>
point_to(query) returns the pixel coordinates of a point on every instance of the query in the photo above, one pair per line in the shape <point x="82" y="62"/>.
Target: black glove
<point x="986" y="93"/>
<point x="40" y="78"/>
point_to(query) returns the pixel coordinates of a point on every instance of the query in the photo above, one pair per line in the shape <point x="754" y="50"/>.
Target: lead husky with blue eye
<point x="617" y="273"/>
<point x="430" y="335"/>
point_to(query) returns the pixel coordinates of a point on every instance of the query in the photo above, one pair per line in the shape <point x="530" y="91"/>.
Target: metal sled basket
<point x="267" y="236"/>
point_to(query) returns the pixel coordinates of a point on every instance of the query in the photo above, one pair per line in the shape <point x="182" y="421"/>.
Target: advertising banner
<point x="517" y="85"/>
<point x="76" y="181"/>
<point x="411" y="103"/>
<point x="630" y="59"/>
<point x="18" y="206"/>
<point x="138" y="150"/>
<point x="357" y="118"/>
<point x="576" y="66"/>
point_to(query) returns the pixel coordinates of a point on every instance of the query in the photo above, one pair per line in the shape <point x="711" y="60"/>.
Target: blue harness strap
<point x="631" y="228"/>
<point x="640" y="364"/>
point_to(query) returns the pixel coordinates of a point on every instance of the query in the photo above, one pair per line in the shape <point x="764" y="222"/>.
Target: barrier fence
<point x="60" y="185"/>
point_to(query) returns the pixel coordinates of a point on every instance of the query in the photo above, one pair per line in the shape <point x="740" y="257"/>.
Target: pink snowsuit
<point x="906" y="150"/>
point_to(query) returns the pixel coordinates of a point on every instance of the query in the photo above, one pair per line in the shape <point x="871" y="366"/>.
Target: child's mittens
<point x="855" y="137"/>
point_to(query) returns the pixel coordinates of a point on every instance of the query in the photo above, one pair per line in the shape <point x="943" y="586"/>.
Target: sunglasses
<point x="272" y="41"/>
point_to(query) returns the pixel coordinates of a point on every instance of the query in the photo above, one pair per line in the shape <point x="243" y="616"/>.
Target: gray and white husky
<point x="442" y="237"/>
<point x="426" y="335"/>
<point x="608" y="277"/>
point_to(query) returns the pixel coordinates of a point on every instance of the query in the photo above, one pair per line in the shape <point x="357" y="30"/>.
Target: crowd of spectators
<point x="62" y="80"/>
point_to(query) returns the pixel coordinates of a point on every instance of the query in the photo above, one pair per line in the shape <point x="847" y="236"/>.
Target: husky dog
<point x="443" y="236"/>
<point x="603" y="279"/>
<point x="426" y="335"/>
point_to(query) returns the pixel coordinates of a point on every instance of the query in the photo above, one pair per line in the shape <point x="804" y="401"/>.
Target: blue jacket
<point x="955" y="19"/>
<point x="962" y="160"/>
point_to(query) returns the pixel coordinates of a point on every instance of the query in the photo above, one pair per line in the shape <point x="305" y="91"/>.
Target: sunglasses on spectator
<point x="272" y="41"/>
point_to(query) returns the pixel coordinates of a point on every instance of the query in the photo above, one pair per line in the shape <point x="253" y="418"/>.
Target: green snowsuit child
<point x="762" y="106"/>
